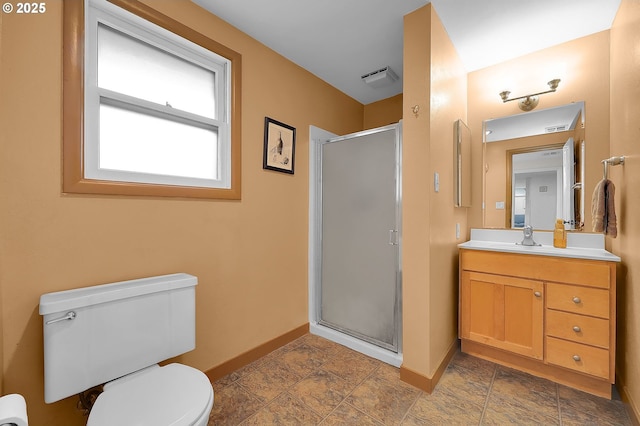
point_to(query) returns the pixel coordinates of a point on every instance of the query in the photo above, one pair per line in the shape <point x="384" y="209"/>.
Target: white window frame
<point x="102" y="12"/>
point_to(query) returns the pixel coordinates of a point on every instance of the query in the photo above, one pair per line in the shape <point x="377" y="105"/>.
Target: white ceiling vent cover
<point x="380" y="78"/>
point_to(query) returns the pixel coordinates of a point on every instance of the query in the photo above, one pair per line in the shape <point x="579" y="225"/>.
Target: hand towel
<point x="611" y="225"/>
<point x="603" y="209"/>
<point x="599" y="206"/>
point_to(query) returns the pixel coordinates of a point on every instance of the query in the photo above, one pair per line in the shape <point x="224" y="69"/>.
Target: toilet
<point x="116" y="334"/>
<point x="13" y="410"/>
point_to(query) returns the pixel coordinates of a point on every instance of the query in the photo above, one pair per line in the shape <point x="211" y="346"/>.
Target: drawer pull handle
<point x="537" y="294"/>
<point x="577" y="329"/>
<point x="576" y="300"/>
<point x="576" y="358"/>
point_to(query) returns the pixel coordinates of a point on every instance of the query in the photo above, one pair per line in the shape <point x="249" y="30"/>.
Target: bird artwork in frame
<point x="279" y="146"/>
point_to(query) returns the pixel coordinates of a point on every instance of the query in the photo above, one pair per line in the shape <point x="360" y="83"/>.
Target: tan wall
<point x="435" y="82"/>
<point x="448" y="104"/>
<point x="415" y="191"/>
<point x="381" y="113"/>
<point x="625" y="140"/>
<point x="583" y="67"/>
<point x="250" y="256"/>
<point x="2" y="183"/>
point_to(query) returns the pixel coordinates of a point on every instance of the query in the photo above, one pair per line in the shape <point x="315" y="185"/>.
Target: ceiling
<point x="341" y="40"/>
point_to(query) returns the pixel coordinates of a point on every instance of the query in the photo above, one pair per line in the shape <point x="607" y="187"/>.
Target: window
<point x="158" y="113"/>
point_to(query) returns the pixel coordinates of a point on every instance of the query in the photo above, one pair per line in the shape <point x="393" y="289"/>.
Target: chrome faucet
<point x="528" y="237"/>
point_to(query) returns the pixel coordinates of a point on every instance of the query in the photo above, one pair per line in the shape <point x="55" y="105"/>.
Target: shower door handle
<point x="393" y="237"/>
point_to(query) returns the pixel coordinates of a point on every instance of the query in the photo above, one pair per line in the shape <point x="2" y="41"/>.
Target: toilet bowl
<point x="116" y="334"/>
<point x="13" y="410"/>
<point x="174" y="395"/>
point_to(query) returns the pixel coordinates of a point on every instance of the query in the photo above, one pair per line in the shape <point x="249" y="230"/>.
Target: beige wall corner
<point x="434" y="98"/>
<point x="448" y="104"/>
<point x="2" y="144"/>
<point x="428" y="384"/>
<point x="625" y="140"/>
<point x="382" y="113"/>
<point x="416" y="187"/>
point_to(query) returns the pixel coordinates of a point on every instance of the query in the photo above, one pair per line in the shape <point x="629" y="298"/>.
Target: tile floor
<point x="315" y="381"/>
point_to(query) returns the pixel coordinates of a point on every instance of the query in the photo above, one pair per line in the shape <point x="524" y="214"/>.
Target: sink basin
<point x="579" y="245"/>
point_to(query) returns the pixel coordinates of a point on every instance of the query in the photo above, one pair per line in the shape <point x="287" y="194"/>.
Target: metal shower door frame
<point x="396" y="346"/>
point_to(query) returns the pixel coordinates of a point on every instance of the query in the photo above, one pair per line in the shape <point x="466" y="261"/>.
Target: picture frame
<point x="279" y="146"/>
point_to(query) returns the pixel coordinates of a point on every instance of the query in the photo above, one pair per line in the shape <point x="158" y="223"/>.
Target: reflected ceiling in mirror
<point x="550" y="120"/>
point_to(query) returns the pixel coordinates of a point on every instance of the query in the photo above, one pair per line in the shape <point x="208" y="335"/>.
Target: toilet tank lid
<point x="62" y="301"/>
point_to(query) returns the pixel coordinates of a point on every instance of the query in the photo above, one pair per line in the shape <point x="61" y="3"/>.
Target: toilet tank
<point x="116" y="329"/>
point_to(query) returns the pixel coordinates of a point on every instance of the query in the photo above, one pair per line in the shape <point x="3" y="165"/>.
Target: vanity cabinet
<point x="550" y="316"/>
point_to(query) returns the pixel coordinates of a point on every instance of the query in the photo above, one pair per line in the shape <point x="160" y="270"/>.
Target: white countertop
<point x="579" y="245"/>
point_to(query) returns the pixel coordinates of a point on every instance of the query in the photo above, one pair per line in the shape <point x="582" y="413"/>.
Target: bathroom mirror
<point x="534" y="168"/>
<point x="462" y="164"/>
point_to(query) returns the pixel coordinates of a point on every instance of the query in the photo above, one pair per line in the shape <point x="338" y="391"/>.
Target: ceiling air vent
<point x="380" y="78"/>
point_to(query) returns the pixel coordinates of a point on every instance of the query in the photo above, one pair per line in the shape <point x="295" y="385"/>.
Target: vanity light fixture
<point x="529" y="102"/>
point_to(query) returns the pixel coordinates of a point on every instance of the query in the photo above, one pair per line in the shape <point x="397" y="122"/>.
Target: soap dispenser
<point x="560" y="235"/>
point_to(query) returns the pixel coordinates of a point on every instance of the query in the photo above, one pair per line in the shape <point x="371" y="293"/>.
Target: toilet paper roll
<point x="13" y="410"/>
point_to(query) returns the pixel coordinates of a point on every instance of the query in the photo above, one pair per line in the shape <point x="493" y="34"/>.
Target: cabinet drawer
<point x="580" y="300"/>
<point x="578" y="328"/>
<point x="583" y="358"/>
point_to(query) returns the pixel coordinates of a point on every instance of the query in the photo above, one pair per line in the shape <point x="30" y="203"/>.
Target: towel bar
<point x="614" y="161"/>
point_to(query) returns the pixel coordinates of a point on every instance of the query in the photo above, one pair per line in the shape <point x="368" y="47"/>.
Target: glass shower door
<point x="359" y="292"/>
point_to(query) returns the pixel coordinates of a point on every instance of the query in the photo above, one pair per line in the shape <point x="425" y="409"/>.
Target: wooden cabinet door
<point x="502" y="311"/>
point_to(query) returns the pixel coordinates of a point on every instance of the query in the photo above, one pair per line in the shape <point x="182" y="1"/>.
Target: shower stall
<point x="355" y="217"/>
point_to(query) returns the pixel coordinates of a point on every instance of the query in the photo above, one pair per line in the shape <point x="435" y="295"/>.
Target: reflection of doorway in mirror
<point x="541" y="186"/>
<point x="535" y="198"/>
<point x="519" y="205"/>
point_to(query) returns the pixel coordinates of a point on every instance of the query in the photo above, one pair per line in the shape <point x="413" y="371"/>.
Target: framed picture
<point x="279" y="146"/>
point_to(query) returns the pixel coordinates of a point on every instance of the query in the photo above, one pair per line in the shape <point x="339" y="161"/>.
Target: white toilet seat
<point x="175" y="395"/>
